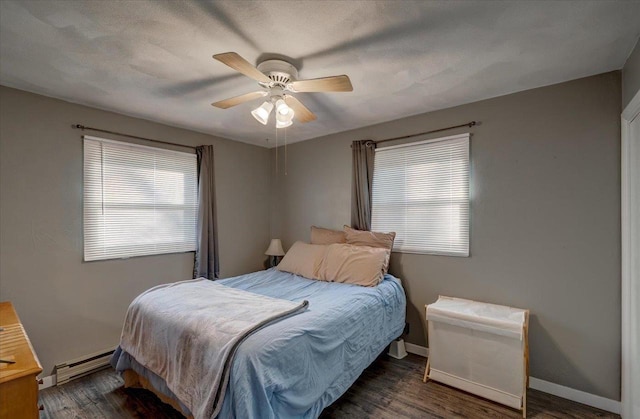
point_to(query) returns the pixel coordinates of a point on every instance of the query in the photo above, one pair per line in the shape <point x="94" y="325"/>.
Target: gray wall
<point x="631" y="76"/>
<point x="545" y="220"/>
<point x="71" y="308"/>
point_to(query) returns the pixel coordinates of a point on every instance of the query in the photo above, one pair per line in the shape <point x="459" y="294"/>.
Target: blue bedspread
<point x="300" y="365"/>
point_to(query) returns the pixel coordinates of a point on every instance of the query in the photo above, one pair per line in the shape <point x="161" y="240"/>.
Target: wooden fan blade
<point x="324" y="84"/>
<point x="302" y="114"/>
<point x="233" y="101"/>
<point x="238" y="63"/>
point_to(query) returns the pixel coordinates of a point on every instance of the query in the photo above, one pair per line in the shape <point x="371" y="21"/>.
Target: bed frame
<point x="134" y="380"/>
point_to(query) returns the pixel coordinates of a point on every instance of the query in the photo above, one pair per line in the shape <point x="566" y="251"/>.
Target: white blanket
<point x="187" y="333"/>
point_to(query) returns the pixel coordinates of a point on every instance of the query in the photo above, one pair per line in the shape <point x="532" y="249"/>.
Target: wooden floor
<point x="389" y="388"/>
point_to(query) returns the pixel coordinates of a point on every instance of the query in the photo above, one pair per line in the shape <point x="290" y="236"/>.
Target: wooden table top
<point x="15" y="346"/>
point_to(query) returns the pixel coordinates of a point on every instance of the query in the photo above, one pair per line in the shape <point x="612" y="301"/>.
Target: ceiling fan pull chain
<point x="285" y="151"/>
<point x="276" y="153"/>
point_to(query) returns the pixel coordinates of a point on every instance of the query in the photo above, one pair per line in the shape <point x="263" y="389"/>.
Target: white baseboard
<point x="568" y="393"/>
<point x="589" y="399"/>
<point x="48" y="381"/>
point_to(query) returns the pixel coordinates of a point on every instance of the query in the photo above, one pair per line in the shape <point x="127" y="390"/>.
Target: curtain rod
<point x="83" y="128"/>
<point x="468" y="124"/>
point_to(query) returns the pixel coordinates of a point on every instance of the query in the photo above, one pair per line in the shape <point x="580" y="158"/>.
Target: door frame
<point x="630" y="217"/>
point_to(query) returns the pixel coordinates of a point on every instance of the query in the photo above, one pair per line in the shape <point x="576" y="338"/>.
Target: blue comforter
<point x="300" y="365"/>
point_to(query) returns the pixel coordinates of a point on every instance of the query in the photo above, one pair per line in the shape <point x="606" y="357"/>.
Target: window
<point x="421" y="191"/>
<point x="137" y="200"/>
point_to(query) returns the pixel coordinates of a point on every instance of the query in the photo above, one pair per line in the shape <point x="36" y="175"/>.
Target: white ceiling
<point x="152" y="59"/>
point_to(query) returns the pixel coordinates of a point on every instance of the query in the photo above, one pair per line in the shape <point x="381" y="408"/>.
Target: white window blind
<point x="137" y="200"/>
<point x="421" y="191"/>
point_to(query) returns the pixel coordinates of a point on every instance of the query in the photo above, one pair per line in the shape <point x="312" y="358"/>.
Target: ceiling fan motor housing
<point x="281" y="72"/>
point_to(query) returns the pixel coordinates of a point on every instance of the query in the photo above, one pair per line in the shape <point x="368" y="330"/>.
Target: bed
<point x="301" y="364"/>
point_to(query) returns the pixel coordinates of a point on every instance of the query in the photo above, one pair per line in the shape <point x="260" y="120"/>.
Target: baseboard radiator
<point x="79" y="367"/>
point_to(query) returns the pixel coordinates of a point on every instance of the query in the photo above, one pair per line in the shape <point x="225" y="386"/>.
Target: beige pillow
<point x="321" y="235"/>
<point x="371" y="239"/>
<point x="303" y="259"/>
<point x="360" y="265"/>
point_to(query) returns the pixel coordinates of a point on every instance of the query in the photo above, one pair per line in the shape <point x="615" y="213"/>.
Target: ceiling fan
<point x="278" y="80"/>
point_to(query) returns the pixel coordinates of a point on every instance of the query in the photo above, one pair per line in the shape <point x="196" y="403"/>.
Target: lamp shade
<point x="261" y="113"/>
<point x="275" y="248"/>
<point x="282" y="107"/>
<point x="284" y="120"/>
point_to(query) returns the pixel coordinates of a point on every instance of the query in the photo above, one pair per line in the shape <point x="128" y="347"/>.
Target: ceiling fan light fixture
<point x="261" y="113"/>
<point x="284" y="120"/>
<point x="282" y="107"/>
<point x="283" y="124"/>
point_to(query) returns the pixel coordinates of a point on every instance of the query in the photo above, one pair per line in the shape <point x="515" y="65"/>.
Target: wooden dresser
<point x="18" y="385"/>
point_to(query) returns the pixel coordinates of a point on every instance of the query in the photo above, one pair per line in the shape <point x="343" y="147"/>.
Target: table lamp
<point x="275" y="251"/>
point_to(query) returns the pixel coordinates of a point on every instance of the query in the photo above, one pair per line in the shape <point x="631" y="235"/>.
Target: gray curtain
<point x="206" y="261"/>
<point x="362" y="180"/>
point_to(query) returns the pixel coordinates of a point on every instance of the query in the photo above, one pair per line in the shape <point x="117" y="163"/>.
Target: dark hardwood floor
<point x="389" y="388"/>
